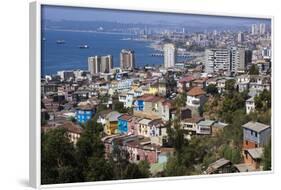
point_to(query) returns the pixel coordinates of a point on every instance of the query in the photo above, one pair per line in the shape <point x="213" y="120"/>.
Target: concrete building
<point x="66" y="75"/>
<point x="216" y="60"/>
<point x="262" y="29"/>
<point x="254" y="29"/>
<point x="238" y="64"/>
<point x="127" y="59"/>
<point x="240" y="37"/>
<point x="100" y="64"/>
<point x="169" y="55"/>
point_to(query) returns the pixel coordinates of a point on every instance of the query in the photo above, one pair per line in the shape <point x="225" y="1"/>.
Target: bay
<point x="69" y="56"/>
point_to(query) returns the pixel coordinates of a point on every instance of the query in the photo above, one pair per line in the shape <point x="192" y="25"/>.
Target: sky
<point x="57" y="13"/>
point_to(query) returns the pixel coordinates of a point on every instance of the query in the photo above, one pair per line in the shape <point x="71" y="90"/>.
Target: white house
<point x="196" y="97"/>
<point x="242" y="81"/>
<point x="250" y="105"/>
<point x="205" y="127"/>
<point x="127" y="99"/>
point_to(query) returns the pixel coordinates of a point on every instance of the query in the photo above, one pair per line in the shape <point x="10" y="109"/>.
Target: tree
<point x="267" y="157"/>
<point x="230" y="86"/>
<point x="144" y="168"/>
<point x="174" y="167"/>
<point x="90" y="150"/>
<point x="58" y="163"/>
<point x="212" y="89"/>
<point x="263" y="101"/>
<point x="254" y="70"/>
<point x="231" y="153"/>
<point x="99" y="169"/>
<point x="119" y="106"/>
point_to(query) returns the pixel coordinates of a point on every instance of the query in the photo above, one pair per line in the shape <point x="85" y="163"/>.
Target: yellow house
<point x="152" y="90"/>
<point x="111" y="123"/>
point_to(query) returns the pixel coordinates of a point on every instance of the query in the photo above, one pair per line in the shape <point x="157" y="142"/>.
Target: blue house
<point x="84" y="113"/>
<point x="139" y="105"/>
<point x="255" y="135"/>
<point x="123" y="123"/>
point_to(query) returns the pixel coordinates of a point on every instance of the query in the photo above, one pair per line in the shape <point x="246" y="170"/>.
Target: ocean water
<point x="68" y="56"/>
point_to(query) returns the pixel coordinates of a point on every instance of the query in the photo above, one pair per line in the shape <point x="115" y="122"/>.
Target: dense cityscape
<point x="205" y="110"/>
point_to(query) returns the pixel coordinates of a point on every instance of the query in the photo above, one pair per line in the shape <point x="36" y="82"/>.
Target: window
<point x="256" y="146"/>
<point x="246" y="142"/>
<point x="138" y="157"/>
<point x="256" y="134"/>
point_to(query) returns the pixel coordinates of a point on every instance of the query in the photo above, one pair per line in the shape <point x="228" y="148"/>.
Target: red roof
<point x="150" y="98"/>
<point x="125" y="117"/>
<point x="186" y="79"/>
<point x="167" y="103"/>
<point x="196" y="91"/>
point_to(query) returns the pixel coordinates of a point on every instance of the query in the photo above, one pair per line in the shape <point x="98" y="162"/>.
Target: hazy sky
<point x="92" y="14"/>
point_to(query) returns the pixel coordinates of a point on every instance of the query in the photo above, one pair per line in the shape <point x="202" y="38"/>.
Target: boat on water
<point x="126" y="39"/>
<point x="83" y="46"/>
<point x="60" y="42"/>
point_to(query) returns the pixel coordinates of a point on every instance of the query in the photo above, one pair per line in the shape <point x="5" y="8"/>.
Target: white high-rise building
<point x="255" y="29"/>
<point x="169" y="55"/>
<point x="216" y="60"/>
<point x="240" y="37"/>
<point x="262" y="28"/>
<point x="100" y="64"/>
<point x="238" y="64"/>
<point x="127" y="59"/>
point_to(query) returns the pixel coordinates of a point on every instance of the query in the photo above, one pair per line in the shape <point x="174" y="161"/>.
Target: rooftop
<point x="145" y="121"/>
<point x="196" y="91"/>
<point x="256" y="126"/>
<point x="150" y="98"/>
<point x="194" y="119"/>
<point x="216" y="165"/>
<point x="125" y="117"/>
<point x="244" y="167"/>
<point x="113" y="116"/>
<point x="206" y="122"/>
<point x="186" y="79"/>
<point x="256" y="153"/>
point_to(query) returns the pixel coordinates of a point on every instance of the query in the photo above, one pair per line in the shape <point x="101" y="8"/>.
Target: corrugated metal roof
<point x="256" y="126"/>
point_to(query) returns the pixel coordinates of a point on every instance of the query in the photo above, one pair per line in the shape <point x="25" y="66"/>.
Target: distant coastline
<point x="88" y="31"/>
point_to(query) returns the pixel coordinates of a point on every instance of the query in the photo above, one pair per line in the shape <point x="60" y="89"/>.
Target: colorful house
<point x="111" y="123"/>
<point x="123" y="123"/>
<point x="148" y="106"/>
<point x="143" y="127"/>
<point x="184" y="84"/>
<point x="255" y="135"/>
<point x="84" y="112"/>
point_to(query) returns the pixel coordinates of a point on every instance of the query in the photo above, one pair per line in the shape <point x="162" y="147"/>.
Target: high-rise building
<point x="266" y="52"/>
<point x="100" y="64"/>
<point x="255" y="29"/>
<point x="216" y="60"/>
<point x="127" y="59"/>
<point x="240" y="37"/>
<point x="169" y="55"/>
<point x="238" y="64"/>
<point x="262" y="29"/>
